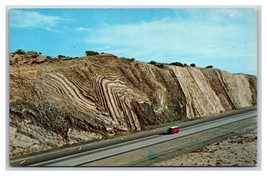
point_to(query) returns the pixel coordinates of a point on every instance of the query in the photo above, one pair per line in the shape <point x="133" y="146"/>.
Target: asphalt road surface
<point x="125" y="146"/>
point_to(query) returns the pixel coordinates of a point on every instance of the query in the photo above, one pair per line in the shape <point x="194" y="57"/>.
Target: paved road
<point x="122" y="147"/>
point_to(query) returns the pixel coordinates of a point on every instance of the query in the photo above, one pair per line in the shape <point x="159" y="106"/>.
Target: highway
<point x="115" y="148"/>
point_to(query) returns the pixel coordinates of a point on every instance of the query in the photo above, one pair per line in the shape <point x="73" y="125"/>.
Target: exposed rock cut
<point x="54" y="103"/>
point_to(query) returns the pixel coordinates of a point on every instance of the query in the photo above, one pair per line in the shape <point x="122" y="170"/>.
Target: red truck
<point x="174" y="129"/>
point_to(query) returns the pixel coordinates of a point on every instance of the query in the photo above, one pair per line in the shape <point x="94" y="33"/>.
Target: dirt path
<point x="234" y="151"/>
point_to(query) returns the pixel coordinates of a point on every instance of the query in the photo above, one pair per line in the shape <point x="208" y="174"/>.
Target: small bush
<point x="192" y="65"/>
<point x="158" y="64"/>
<point x="20" y="51"/>
<point x="185" y="65"/>
<point x="62" y="57"/>
<point x="91" y="53"/>
<point x="210" y="66"/>
<point x="153" y="62"/>
<point x="177" y="64"/>
<point x="49" y="57"/>
<point x="128" y="59"/>
<point x="32" y="52"/>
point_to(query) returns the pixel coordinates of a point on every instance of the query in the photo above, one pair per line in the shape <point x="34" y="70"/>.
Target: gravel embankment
<point x="234" y="151"/>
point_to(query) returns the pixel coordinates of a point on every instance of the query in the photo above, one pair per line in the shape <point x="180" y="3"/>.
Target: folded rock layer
<point x="55" y="103"/>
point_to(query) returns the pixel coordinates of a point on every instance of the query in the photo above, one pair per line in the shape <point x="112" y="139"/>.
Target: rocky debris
<point x="54" y="103"/>
<point x="234" y="151"/>
<point x="28" y="59"/>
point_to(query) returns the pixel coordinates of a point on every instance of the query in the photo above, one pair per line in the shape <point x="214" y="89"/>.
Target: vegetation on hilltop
<point x="91" y="53"/>
<point x="94" y="53"/>
<point x="127" y="59"/>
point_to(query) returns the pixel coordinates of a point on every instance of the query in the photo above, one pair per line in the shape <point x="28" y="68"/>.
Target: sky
<point x="223" y="37"/>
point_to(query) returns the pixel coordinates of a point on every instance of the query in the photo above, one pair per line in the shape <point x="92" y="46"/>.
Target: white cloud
<point x="202" y="42"/>
<point x="29" y="19"/>
<point x="216" y="15"/>
<point x="166" y="38"/>
<point x="51" y="30"/>
<point x="82" y="29"/>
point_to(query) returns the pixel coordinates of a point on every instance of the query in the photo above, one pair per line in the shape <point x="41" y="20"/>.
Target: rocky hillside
<point x="54" y="103"/>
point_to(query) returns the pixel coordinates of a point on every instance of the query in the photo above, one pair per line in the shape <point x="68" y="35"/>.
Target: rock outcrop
<point x="54" y="103"/>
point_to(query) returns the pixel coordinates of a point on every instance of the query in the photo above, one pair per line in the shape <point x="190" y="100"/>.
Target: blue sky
<point x="224" y="38"/>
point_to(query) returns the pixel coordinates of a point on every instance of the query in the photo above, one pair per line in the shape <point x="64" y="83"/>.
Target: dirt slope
<point x="54" y="103"/>
<point x="238" y="150"/>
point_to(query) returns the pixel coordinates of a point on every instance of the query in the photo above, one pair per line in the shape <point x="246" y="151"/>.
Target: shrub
<point x="49" y="57"/>
<point x="158" y="64"/>
<point x="153" y="62"/>
<point x="32" y="52"/>
<point x="91" y="53"/>
<point x="20" y="51"/>
<point x="192" y="65"/>
<point x="161" y="65"/>
<point x="185" y="65"/>
<point x="177" y="64"/>
<point x="128" y="59"/>
<point x="62" y="57"/>
<point x="210" y="66"/>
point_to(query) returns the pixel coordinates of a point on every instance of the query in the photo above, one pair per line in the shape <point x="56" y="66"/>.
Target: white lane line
<point x="121" y="148"/>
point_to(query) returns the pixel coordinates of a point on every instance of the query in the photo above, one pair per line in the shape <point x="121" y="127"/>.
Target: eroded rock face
<point x="54" y="103"/>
